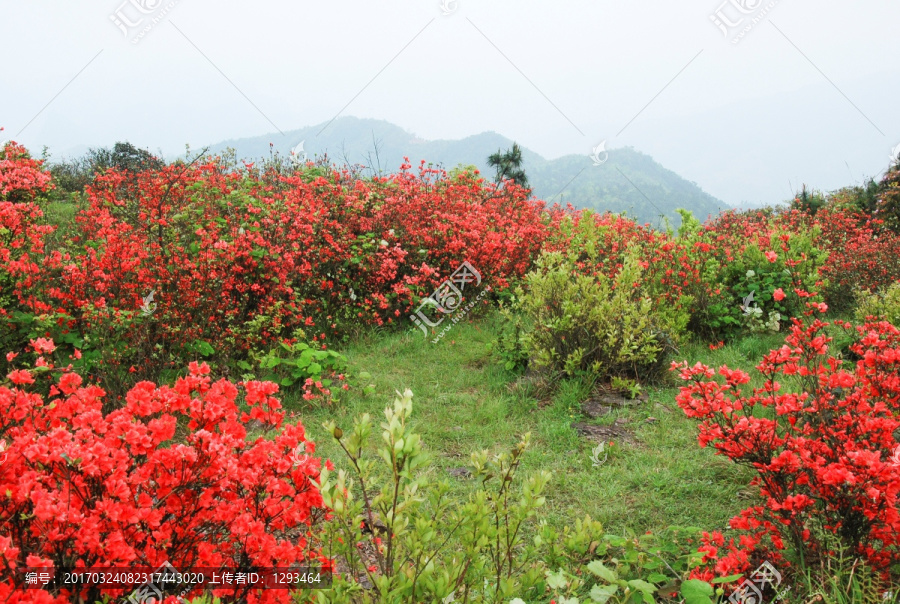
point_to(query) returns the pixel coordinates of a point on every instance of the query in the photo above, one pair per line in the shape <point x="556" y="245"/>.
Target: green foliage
<point x="752" y="272"/>
<point x="842" y="578"/>
<point x="689" y="225"/>
<point x="508" y="349"/>
<point x="299" y="365"/>
<point x="583" y="325"/>
<point x="509" y="165"/>
<point x="619" y="569"/>
<point x="809" y="201"/>
<point x="406" y="522"/>
<point x="626" y="386"/>
<point x="400" y="535"/>
<point x="884" y="306"/>
<point x="860" y="198"/>
<point x="73" y="175"/>
<point x="887" y="206"/>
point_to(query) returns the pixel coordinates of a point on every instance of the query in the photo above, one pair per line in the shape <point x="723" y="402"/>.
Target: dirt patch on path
<point x="617" y="432"/>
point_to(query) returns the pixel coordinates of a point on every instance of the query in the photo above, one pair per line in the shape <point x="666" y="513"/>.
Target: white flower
<point x="384" y="243"/>
<point x="751" y="274"/>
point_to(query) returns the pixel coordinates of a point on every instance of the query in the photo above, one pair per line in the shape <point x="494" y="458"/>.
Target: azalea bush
<point x="743" y="259"/>
<point x="862" y="255"/>
<point x="24" y="184"/>
<point x="820" y="434"/>
<point x="167" y="263"/>
<point x="170" y="476"/>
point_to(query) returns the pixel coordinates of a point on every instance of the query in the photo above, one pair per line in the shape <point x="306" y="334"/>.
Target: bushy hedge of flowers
<point x="820" y="434"/>
<point x="171" y="476"/>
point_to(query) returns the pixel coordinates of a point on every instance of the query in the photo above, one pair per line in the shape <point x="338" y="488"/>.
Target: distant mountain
<point x="628" y="181"/>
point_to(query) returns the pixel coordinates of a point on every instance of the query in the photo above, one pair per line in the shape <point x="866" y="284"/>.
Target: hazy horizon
<point x="804" y="97"/>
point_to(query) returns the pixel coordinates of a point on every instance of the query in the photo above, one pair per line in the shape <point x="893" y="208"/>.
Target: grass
<point x="465" y="402"/>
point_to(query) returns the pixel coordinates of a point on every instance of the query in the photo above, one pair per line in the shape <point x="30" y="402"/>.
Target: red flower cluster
<point x="669" y="268"/>
<point x="863" y="254"/>
<point x="242" y="259"/>
<point x="170" y="477"/>
<point x="825" y="452"/>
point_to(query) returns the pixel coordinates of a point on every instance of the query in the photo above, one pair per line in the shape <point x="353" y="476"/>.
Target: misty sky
<point x="808" y="95"/>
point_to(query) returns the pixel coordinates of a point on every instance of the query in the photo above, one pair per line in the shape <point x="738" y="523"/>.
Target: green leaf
<point x="602" y="593"/>
<point x="287" y="382"/>
<point x="244" y="365"/>
<point x="270" y="362"/>
<point x="647" y="590"/>
<point x="596" y="567"/>
<point x="695" y="591"/>
<point x="204" y="348"/>
<point x="556" y="580"/>
<point x="728" y="579"/>
<point x="657" y="578"/>
<point x="315" y="368"/>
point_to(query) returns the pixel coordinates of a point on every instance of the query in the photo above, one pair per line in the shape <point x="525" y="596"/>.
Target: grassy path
<point x="464" y="402"/>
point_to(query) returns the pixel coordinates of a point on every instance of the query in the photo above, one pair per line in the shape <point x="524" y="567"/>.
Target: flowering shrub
<point x="820" y="434"/>
<point x="23" y="185"/>
<point x="863" y="254"/>
<point x="170" y="476"/>
<point x="756" y="253"/>
<point x="165" y="264"/>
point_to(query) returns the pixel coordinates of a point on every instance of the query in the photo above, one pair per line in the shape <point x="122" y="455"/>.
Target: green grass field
<point x="464" y="401"/>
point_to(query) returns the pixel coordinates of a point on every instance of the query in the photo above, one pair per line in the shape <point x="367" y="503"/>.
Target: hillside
<point x="574" y="179"/>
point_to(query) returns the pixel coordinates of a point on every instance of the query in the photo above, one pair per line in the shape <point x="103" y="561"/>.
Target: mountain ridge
<point x="627" y="181"/>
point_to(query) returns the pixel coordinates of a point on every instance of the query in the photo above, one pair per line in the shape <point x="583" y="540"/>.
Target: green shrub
<point x="319" y="374"/>
<point x="401" y="536"/>
<point x="597" y="326"/>
<point x="752" y="272"/>
<point x="884" y="306"/>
